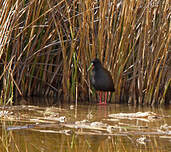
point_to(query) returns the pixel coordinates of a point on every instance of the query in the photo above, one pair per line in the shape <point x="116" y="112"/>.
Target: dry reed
<point x="46" y="48"/>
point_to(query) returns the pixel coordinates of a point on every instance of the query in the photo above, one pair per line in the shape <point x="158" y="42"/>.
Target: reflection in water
<point x="79" y="132"/>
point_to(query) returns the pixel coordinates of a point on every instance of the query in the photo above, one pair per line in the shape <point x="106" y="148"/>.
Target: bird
<point x="101" y="79"/>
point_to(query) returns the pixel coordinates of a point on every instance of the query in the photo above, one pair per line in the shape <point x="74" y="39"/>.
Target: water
<point x="85" y="128"/>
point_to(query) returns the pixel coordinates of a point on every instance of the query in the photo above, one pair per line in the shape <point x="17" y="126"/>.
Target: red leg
<point x="109" y="95"/>
<point x="100" y="97"/>
<point x="105" y="97"/>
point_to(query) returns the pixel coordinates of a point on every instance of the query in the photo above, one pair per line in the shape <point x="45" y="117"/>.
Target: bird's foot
<point x="102" y="103"/>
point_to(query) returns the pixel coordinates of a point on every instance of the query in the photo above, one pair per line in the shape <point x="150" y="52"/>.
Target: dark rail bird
<point x="101" y="80"/>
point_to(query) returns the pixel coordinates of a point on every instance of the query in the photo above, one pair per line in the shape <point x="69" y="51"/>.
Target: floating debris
<point x="110" y="129"/>
<point x="90" y="116"/>
<point x="71" y="107"/>
<point x="142" y="140"/>
<point x="115" y="124"/>
<point x="62" y="119"/>
<point x="5" y="113"/>
<point x="20" y="127"/>
<point x="87" y="125"/>
<point x="98" y="124"/>
<point x="144" y="116"/>
<point x="165" y="127"/>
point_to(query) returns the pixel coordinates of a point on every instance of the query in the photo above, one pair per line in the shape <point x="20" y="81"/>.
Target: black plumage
<point x="101" y="78"/>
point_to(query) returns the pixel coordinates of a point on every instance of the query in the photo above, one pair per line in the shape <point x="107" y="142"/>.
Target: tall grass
<point x="46" y="48"/>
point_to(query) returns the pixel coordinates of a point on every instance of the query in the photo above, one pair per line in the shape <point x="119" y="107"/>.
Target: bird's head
<point x="94" y="63"/>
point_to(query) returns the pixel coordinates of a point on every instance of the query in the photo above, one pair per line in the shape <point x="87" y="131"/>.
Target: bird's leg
<point x="109" y="95"/>
<point x="100" y="97"/>
<point x="105" y="97"/>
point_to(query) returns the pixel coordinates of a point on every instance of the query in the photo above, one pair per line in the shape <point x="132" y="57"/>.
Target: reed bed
<point x="47" y="46"/>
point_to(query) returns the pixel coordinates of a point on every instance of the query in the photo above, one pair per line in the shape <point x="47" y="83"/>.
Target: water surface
<point x="85" y="128"/>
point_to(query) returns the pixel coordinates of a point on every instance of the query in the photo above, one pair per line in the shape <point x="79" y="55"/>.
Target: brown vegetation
<point x="46" y="48"/>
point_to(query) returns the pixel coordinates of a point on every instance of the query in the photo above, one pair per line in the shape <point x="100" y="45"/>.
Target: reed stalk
<point x="47" y="46"/>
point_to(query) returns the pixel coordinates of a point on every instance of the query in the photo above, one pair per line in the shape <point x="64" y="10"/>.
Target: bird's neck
<point x="98" y="67"/>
